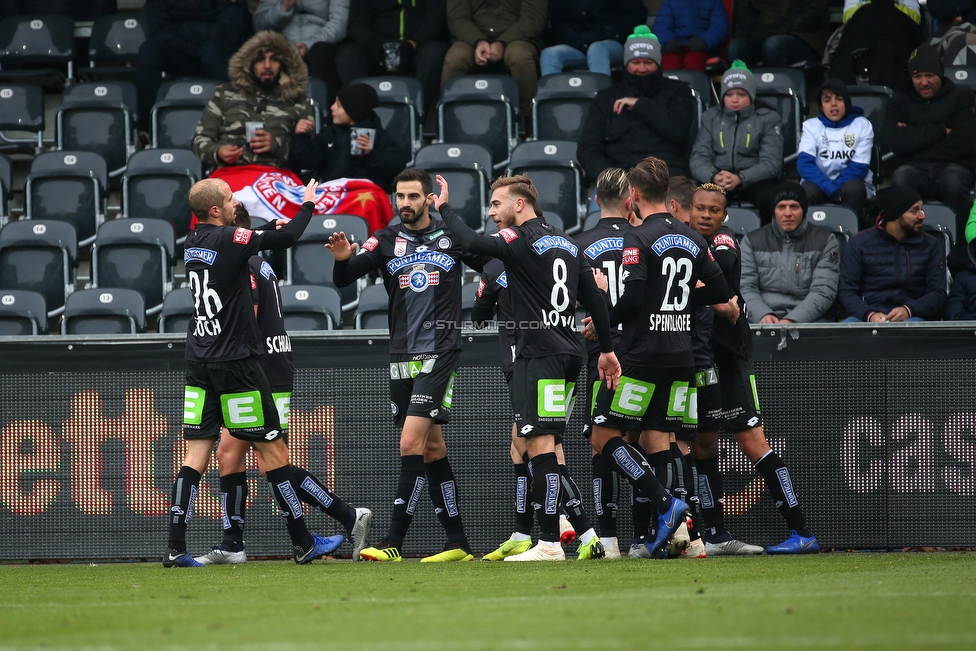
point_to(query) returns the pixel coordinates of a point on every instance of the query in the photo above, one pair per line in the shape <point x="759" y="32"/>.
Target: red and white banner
<point x="275" y="193"/>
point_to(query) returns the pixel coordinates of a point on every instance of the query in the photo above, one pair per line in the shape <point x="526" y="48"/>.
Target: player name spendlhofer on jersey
<point x="670" y="258"/>
<point x="422" y="273"/>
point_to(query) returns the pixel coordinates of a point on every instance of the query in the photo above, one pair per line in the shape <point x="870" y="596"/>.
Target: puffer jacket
<point x="962" y="297"/>
<point x="878" y="273"/>
<point x="233" y="104"/>
<point x="683" y="19"/>
<point x="790" y="275"/>
<point x="308" y="22"/>
<point x="747" y="142"/>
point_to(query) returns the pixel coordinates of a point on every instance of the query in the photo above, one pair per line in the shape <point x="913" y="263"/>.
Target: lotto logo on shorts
<point x="242" y="410"/>
<point x="193" y="399"/>
<point x="678" y="403"/>
<point x="632" y="397"/>
<point x="283" y="405"/>
<point x="242" y="236"/>
<point x="508" y="235"/>
<point x="631" y="255"/>
<point x="554" y="398"/>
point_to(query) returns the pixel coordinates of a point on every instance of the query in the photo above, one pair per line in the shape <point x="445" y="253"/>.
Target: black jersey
<point x="603" y="246"/>
<point x="422" y="272"/>
<point x="664" y="259"/>
<point x="493" y="297"/>
<point x="276" y="357"/>
<point x="702" y="324"/>
<point x="728" y="338"/>
<point x="223" y="326"/>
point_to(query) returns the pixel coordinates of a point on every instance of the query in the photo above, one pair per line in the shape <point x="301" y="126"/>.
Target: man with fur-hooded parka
<point x="242" y="100"/>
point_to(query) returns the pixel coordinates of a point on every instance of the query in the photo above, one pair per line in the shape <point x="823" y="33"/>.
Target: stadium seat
<point x="177" y="111"/>
<point x="177" y="311"/>
<point x="135" y="254"/>
<point x="742" y="221"/>
<point x="592" y="220"/>
<point x="557" y="176"/>
<point x="469" y="292"/>
<point x="113" y="47"/>
<point x="6" y="187"/>
<point x="874" y="100"/>
<point x="554" y="219"/>
<point x="483" y="110"/>
<point x="103" y="312"/>
<point x="39" y="256"/>
<point x="99" y="117"/>
<point x="790" y="108"/>
<point x="311" y="307"/>
<point x="784" y="78"/>
<point x="561" y="103"/>
<point x="156" y="183"/>
<point x="371" y="313"/>
<point x="468" y="171"/>
<point x="490" y="227"/>
<point x="43" y="42"/>
<point x="700" y="82"/>
<point x="840" y="221"/>
<point x="401" y="109"/>
<point x="962" y="75"/>
<point x="318" y="94"/>
<point x="22" y="313"/>
<point x="941" y="217"/>
<point x="22" y="109"/>
<point x="310" y="263"/>
<point x="68" y="186"/>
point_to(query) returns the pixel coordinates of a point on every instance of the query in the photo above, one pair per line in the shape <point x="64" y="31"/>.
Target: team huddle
<point x="668" y="356"/>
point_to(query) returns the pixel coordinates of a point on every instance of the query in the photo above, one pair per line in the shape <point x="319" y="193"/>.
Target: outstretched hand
<point x="609" y="369"/>
<point x="310" y="191"/>
<point x="441" y="199"/>
<point x="341" y="248"/>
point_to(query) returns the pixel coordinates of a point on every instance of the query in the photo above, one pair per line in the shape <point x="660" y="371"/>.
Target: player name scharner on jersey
<point x="665" y="259"/>
<point x="422" y="274"/>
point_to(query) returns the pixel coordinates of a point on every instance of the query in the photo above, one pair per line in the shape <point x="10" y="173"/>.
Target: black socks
<point x="409" y="490"/>
<point x="182" y="500"/>
<point x="283" y="488"/>
<point x="774" y="472"/>
<point x="233" y="499"/>
<point x="606" y="493"/>
<point x="524" y="515"/>
<point x="545" y="489"/>
<point x="443" y="493"/>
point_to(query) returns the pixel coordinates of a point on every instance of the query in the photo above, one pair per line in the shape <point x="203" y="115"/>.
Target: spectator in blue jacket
<point x="690" y="32"/>
<point x="894" y="272"/>
<point x="590" y="33"/>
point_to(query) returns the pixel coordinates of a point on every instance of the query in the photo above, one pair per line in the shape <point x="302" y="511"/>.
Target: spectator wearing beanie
<point x="644" y="115"/>
<point x="932" y="132"/>
<point x="334" y="153"/>
<point x="790" y="267"/>
<point x="691" y="32"/>
<point x="894" y="271"/>
<point x="739" y="145"/>
<point x="835" y="152"/>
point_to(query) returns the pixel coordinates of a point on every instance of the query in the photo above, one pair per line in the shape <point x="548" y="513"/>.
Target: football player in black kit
<point x="546" y="272"/>
<point x="225" y="383"/>
<point x="421" y="264"/>
<point x="492" y="292"/>
<point x="276" y="360"/>
<point x="740" y="413"/>
<point x="663" y="260"/>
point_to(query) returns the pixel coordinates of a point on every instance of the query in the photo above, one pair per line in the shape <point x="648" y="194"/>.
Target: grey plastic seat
<point x="790" y="108"/>
<point x="840" y="221"/>
<point x="561" y="103"/>
<point x="37" y="48"/>
<point x="481" y="110"/>
<point x="401" y="109"/>
<point x="177" y="111"/>
<point x="557" y="175"/>
<point x="874" y="100"/>
<point x="700" y="82"/>
<point x="467" y="169"/>
<point x="22" y="313"/>
<point x="310" y="307"/>
<point x="177" y="311"/>
<point x="783" y="78"/>
<point x="6" y="186"/>
<point x="310" y="263"/>
<point x="99" y="117"/>
<point x="135" y="254"/>
<point x="68" y="186"/>
<point x="22" y="109"/>
<point x="39" y="256"/>
<point x="114" y="47"/>
<point x="371" y="313"/>
<point x="156" y="183"/>
<point x="742" y="221"/>
<point x="103" y="312"/>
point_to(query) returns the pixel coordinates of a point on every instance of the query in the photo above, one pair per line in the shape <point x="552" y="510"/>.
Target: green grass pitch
<point x="839" y="601"/>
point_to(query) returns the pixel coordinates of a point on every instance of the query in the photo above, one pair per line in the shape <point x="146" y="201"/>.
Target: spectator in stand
<point x="590" y="33"/>
<point x="932" y="132"/>
<point x="354" y="146"/>
<point x="779" y="33"/>
<point x="76" y="10"/>
<point x="315" y="27"/>
<point x="250" y="120"/>
<point x="790" y="267"/>
<point x="961" y="305"/>
<point x="187" y="37"/>
<point x="644" y="115"/>
<point x="876" y="41"/>
<point x="835" y="152"/>
<point x="739" y="145"/>
<point x="894" y="271"/>
<point x="414" y="33"/>
<point x="497" y="34"/>
<point x="691" y="31"/>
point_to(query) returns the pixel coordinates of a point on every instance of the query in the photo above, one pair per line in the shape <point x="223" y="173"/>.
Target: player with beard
<point x="276" y="360"/>
<point x="420" y="264"/>
<point x="225" y="383"/>
<point x="736" y="381"/>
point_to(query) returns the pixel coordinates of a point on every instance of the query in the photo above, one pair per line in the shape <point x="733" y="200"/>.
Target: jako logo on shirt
<point x="242" y="236"/>
<point x="631" y="256"/>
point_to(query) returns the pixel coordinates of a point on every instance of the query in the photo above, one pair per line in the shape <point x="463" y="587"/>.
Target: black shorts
<point x="646" y="398"/>
<point x="740" y="401"/>
<point x="592" y="385"/>
<point x="705" y="407"/>
<point x="545" y="390"/>
<point x="282" y="399"/>
<point x="423" y="385"/>
<point x="235" y="394"/>
<point x="511" y="397"/>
